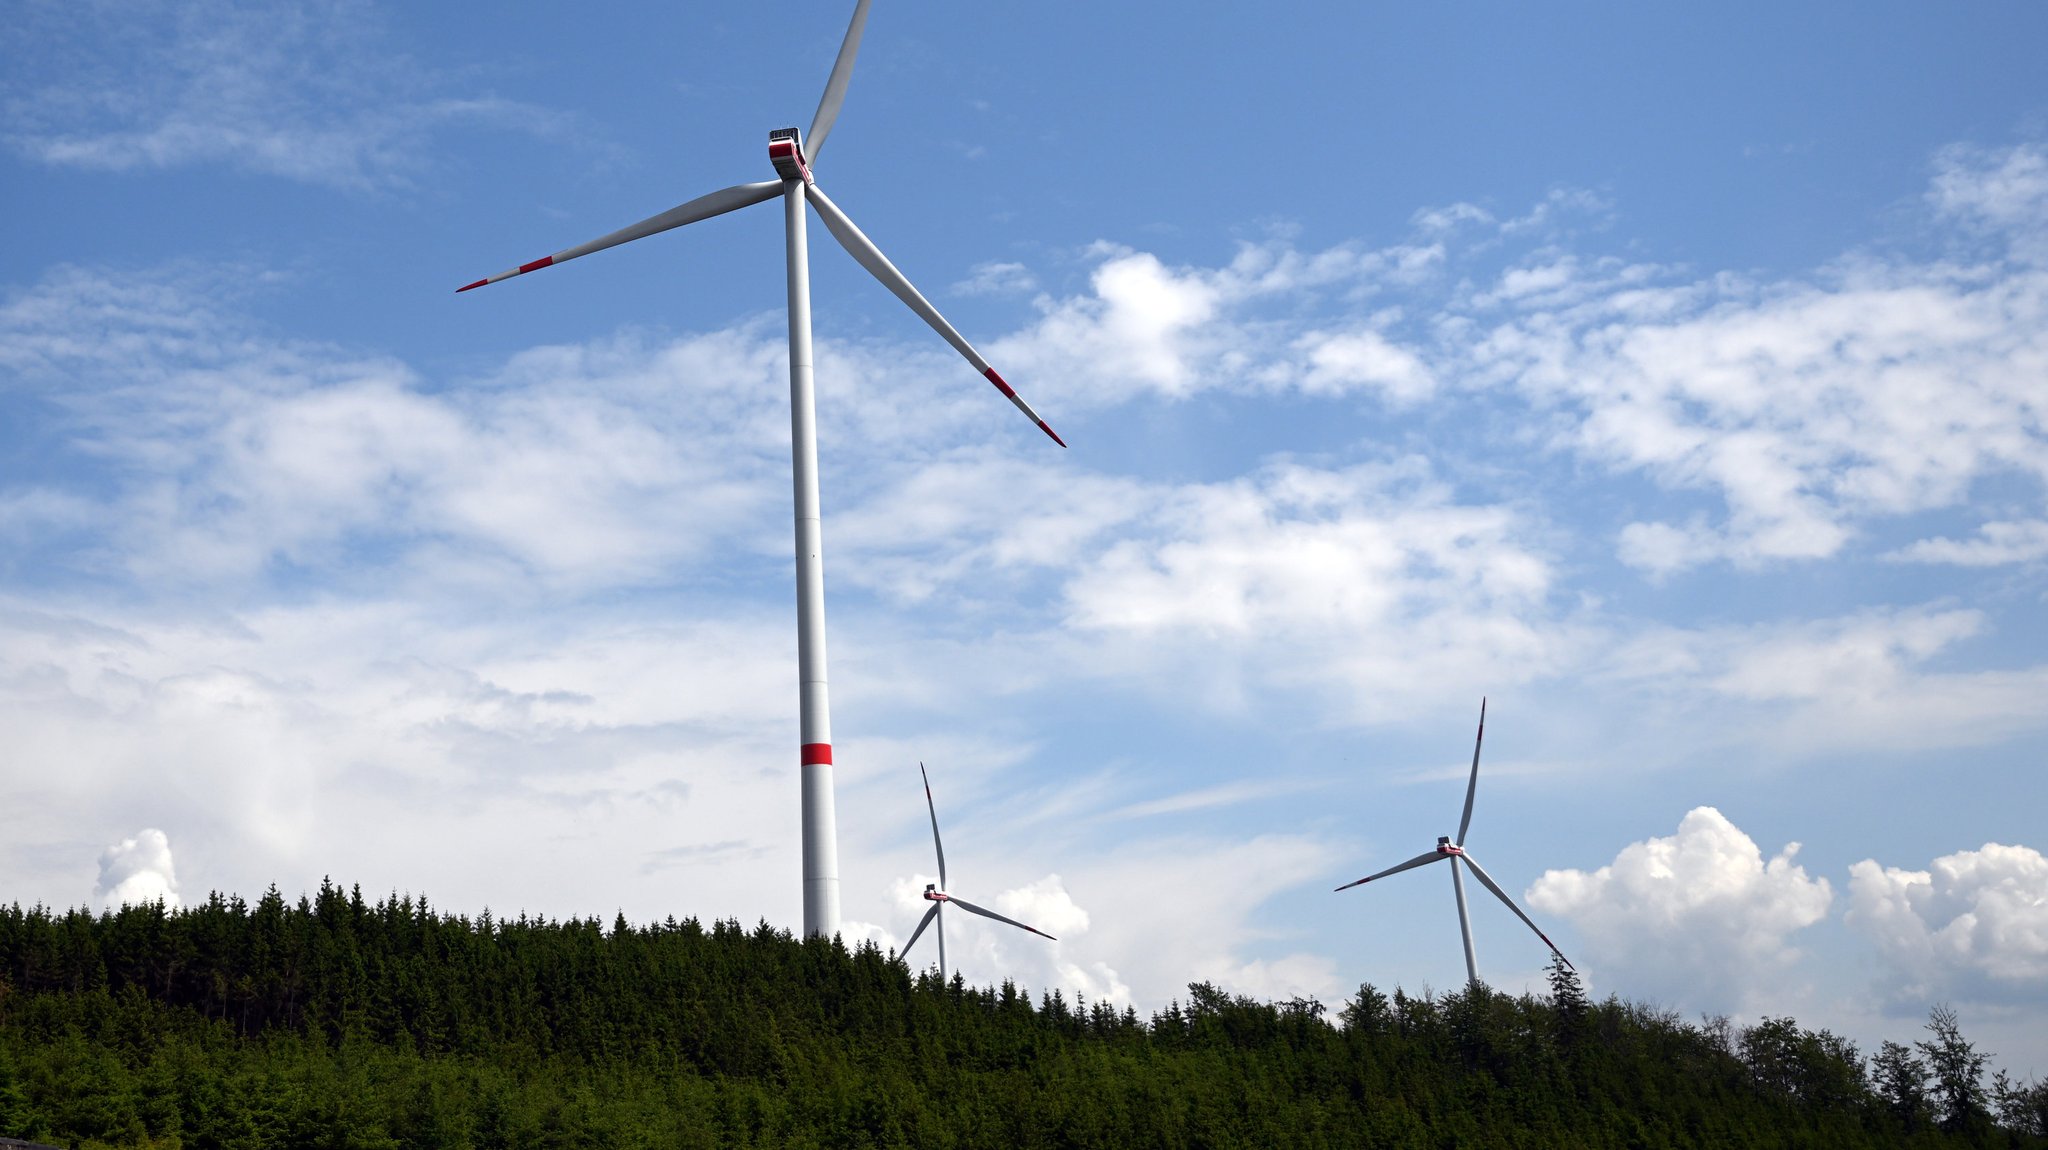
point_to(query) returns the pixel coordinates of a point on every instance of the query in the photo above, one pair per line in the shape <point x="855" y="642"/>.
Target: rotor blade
<point x="870" y="257"/>
<point x="921" y="924"/>
<point x="935" y="825"/>
<point x="1472" y="788"/>
<point x="970" y="908"/>
<point x="1502" y="895"/>
<point x="702" y="208"/>
<point x="1418" y="860"/>
<point x="835" y="87"/>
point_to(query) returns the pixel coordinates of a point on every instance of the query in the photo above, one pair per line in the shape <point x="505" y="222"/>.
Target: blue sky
<point x="1675" y="379"/>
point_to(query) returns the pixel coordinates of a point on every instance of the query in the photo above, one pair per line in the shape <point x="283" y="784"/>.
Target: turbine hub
<point x="931" y="893"/>
<point x="786" y="149"/>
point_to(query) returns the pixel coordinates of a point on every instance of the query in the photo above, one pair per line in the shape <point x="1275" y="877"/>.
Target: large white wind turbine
<point x="938" y="897"/>
<point x="1456" y="853"/>
<point x="792" y="156"/>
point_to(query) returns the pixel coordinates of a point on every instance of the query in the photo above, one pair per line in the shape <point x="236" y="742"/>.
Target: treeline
<point x="334" y="1022"/>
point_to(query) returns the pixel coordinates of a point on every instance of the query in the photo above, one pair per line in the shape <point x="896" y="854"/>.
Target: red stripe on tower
<point x="817" y="754"/>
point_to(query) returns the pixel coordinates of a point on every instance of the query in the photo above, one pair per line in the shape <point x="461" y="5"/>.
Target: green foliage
<point x="2022" y="1109"/>
<point x="337" y="1022"/>
<point x="1957" y="1071"/>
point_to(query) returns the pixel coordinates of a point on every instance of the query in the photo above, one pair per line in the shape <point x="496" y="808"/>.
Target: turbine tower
<point x="1456" y="853"/>
<point x="792" y="155"/>
<point x="939" y="898"/>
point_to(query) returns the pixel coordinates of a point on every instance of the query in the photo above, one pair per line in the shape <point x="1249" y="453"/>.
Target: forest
<point x="336" y="1022"/>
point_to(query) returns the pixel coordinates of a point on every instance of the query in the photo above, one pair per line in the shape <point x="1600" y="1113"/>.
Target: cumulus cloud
<point x="306" y="92"/>
<point x="1972" y="926"/>
<point x="1698" y="918"/>
<point x="137" y="870"/>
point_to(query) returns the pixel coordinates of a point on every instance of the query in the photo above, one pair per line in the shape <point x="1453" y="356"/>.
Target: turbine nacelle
<point x="796" y="187"/>
<point x="939" y="898"/>
<point x="1453" y="850"/>
<point x="786" y="150"/>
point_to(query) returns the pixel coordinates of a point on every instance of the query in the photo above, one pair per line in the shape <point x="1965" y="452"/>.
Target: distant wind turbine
<point x="797" y="185"/>
<point x="1456" y="853"/>
<point x="937" y="896"/>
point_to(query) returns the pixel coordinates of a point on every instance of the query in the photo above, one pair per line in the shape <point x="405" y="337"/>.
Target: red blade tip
<point x="1049" y="431"/>
<point x="466" y="287"/>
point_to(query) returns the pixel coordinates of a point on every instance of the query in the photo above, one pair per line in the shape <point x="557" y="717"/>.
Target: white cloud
<point x="1370" y="580"/>
<point x="1145" y="327"/>
<point x="997" y="277"/>
<point x="1209" y="798"/>
<point x="1870" y="681"/>
<point x="1879" y="388"/>
<point x="987" y="952"/>
<point x="335" y="739"/>
<point x="1995" y="544"/>
<point x="1046" y="905"/>
<point x="1135" y="924"/>
<point x="1809" y="406"/>
<point x="137" y="870"/>
<point x="1660" y="549"/>
<point x="1166" y="912"/>
<point x="1974" y="925"/>
<point x="235" y="451"/>
<point x="309" y="92"/>
<point x="2002" y="189"/>
<point x="1698" y="918"/>
<point x="1340" y="361"/>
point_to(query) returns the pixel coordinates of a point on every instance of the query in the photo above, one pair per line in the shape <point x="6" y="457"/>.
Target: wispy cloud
<point x="1210" y="798"/>
<point x="308" y="92"/>
<point x="1996" y="544"/>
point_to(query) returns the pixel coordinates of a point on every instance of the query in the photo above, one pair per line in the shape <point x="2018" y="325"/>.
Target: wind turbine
<point x="797" y="185"/>
<point x="937" y="896"/>
<point x="1455" y="852"/>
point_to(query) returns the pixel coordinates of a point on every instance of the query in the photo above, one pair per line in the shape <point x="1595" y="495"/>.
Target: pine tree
<point x="1567" y="991"/>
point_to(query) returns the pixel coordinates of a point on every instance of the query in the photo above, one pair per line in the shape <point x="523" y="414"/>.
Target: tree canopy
<point x="333" y="1021"/>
